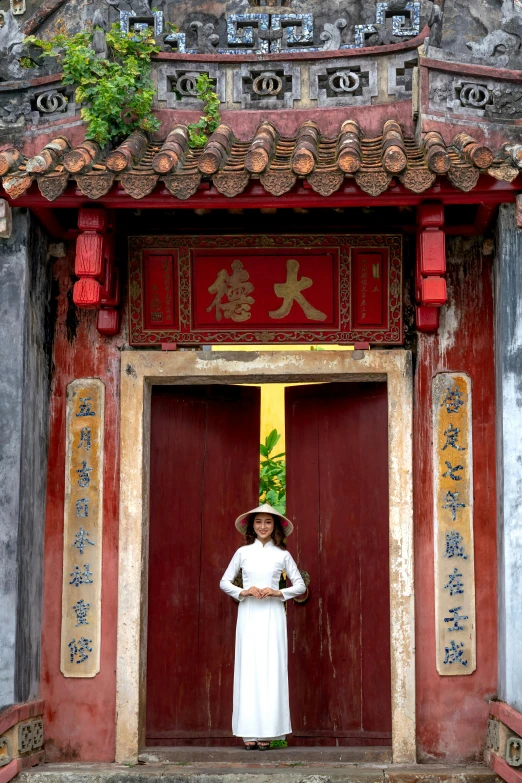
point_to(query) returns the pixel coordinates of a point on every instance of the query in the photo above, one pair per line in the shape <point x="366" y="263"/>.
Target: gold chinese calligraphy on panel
<point x="453" y="528"/>
<point x="82" y="540"/>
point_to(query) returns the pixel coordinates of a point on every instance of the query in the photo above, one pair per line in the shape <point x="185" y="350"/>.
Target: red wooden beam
<point x="484" y="217"/>
<point x="487" y="192"/>
<point x="503" y="770"/>
<point x="507" y="715"/>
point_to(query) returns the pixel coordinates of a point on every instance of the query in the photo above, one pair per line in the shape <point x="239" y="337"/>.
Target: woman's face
<point x="263" y="526"/>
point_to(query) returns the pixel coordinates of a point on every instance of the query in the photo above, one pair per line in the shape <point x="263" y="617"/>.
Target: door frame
<point x="140" y="371"/>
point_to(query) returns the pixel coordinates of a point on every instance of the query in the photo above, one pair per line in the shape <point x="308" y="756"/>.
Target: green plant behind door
<point x="272" y="474"/>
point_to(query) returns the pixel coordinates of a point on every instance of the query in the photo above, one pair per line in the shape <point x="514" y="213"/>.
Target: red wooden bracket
<point x="98" y="286"/>
<point x="430" y="268"/>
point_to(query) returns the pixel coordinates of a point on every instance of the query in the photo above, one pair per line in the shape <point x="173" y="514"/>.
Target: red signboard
<point x="235" y="289"/>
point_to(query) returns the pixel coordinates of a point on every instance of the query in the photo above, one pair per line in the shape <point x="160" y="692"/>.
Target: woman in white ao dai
<point x="261" y="709"/>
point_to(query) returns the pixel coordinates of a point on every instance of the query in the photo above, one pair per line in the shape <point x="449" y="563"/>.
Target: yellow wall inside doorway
<point x="273" y="394"/>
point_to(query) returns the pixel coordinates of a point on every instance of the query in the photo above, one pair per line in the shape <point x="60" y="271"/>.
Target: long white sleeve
<point x="230" y="574"/>
<point x="292" y="572"/>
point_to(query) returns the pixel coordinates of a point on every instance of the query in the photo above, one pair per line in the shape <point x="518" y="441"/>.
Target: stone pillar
<point x="25" y="281"/>
<point x="508" y="359"/>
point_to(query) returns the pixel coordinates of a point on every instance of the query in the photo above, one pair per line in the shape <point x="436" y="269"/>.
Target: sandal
<point x="263" y="745"/>
<point x="250" y="745"/>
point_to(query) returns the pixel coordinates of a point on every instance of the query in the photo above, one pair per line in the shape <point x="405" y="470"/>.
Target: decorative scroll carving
<point x="53" y="185"/>
<point x="95" y="185"/>
<point x="231" y="184"/>
<point x="278" y="181"/>
<point x="206" y="39"/>
<point x="417" y="179"/>
<point x="463" y="177"/>
<point x="504" y="172"/>
<point x="16" y="184"/>
<point x="138" y="185"/>
<point x="373" y="182"/>
<point x="182" y="185"/>
<point x="326" y="182"/>
<point x="332" y="35"/>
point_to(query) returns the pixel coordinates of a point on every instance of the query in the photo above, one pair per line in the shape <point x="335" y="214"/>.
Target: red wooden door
<point x="337" y="490"/>
<point x="204" y="471"/>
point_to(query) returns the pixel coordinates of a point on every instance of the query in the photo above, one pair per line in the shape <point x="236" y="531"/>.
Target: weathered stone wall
<point x="508" y="360"/>
<point x="24" y="371"/>
<point x="488" y="31"/>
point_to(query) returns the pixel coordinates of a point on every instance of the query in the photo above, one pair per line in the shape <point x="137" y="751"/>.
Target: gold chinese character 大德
<point x="236" y="288"/>
<point x="291" y="291"/>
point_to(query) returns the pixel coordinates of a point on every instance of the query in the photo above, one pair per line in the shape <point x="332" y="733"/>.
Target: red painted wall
<point x="452" y="711"/>
<point x="80" y="713"/>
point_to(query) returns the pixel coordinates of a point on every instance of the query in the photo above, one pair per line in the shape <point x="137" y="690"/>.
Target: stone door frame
<point x="140" y="370"/>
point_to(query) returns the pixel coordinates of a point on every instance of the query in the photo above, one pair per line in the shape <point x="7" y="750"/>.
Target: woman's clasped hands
<point x="261" y="592"/>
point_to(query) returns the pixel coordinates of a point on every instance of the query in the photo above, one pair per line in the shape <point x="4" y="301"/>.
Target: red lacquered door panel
<point x="337" y="490"/>
<point x="204" y="471"/>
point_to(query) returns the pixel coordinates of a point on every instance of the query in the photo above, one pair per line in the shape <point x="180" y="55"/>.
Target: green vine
<point x="200" y="131"/>
<point x="116" y="93"/>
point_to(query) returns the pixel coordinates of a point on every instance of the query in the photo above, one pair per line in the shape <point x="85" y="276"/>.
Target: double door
<point x="204" y="472"/>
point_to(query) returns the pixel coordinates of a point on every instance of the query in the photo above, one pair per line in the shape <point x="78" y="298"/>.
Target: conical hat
<point x="266" y="508"/>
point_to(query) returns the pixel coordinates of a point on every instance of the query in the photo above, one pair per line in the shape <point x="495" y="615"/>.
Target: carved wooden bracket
<point x="430" y="268"/>
<point x="98" y="284"/>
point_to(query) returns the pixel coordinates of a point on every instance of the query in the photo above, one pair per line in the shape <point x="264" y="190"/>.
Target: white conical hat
<point x="266" y="508"/>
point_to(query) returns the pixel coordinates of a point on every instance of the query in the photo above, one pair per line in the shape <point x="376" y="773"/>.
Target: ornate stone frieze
<point x="267" y="86"/>
<point x="177" y="83"/>
<point x="268" y="29"/>
<point x="353" y="83"/>
<point x="400" y="74"/>
<point x="475" y="96"/>
<point x="350" y="81"/>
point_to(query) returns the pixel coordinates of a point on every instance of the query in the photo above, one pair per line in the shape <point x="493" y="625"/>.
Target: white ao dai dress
<point x="261" y="707"/>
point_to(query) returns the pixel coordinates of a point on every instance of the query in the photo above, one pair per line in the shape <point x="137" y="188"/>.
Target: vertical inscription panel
<point x="453" y="528"/>
<point x="82" y="533"/>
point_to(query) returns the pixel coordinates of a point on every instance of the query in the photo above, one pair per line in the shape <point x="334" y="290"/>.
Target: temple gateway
<point x="325" y="197"/>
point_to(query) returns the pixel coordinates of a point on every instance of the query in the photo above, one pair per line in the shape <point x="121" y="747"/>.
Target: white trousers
<point x="263" y="739"/>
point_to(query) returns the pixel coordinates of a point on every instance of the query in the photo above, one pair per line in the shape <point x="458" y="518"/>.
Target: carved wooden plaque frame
<point x="328" y="288"/>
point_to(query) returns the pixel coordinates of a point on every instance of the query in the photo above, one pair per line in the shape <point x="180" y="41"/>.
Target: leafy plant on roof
<point x="272" y="474"/>
<point x="116" y="93"/>
<point x="198" y="132"/>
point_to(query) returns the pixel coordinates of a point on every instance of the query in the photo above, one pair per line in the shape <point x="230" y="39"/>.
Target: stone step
<point x="318" y="755"/>
<point x="293" y="772"/>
